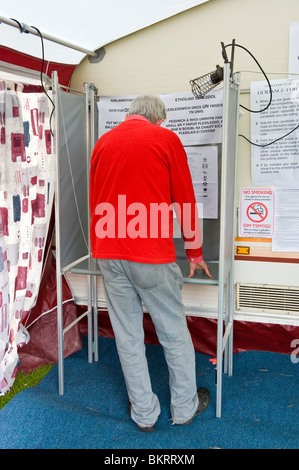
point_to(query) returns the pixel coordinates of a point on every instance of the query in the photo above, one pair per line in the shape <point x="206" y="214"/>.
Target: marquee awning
<point x="91" y="24"/>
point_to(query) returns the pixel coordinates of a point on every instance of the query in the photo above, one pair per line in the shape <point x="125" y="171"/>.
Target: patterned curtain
<point x="25" y="208"/>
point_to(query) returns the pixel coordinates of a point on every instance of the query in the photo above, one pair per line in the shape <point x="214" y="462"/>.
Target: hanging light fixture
<point x="202" y="85"/>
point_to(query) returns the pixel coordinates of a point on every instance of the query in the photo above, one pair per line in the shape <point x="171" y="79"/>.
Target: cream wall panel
<point x="164" y="57"/>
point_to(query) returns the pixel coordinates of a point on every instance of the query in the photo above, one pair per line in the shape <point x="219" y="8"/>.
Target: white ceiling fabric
<point x="89" y="23"/>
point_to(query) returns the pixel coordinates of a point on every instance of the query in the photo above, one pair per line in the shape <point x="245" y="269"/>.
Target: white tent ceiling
<point x="90" y="24"/>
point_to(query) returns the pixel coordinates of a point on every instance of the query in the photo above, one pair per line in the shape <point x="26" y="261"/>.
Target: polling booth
<point x="76" y="131"/>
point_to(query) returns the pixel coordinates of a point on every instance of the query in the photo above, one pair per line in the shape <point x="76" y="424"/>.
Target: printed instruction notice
<point x="203" y="164"/>
<point x="277" y="164"/>
<point x="112" y="111"/>
<point x="286" y="232"/>
<point x="196" y="122"/>
<point x="256" y="218"/>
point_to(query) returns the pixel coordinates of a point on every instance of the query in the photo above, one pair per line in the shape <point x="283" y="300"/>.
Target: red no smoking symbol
<point x="257" y="212"/>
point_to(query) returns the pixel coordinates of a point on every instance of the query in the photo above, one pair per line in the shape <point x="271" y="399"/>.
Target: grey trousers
<point x="158" y="286"/>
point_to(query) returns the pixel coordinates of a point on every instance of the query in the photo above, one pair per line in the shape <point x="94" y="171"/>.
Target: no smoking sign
<point x="256" y="212"/>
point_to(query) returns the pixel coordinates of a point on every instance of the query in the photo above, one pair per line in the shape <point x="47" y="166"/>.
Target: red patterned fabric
<point x="25" y="209"/>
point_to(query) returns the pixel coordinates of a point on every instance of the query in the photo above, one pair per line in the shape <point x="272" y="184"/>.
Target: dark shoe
<point x="203" y="402"/>
<point x="142" y="428"/>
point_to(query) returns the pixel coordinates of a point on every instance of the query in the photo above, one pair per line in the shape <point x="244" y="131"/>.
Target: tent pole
<point x="95" y="278"/>
<point x="57" y="242"/>
<point x="24" y="28"/>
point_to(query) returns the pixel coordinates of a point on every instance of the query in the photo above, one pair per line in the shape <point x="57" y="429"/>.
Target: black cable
<point x="260" y="111"/>
<point x="270" y="143"/>
<point x="41" y="73"/>
<point x="19" y="24"/>
<point x="269" y="84"/>
<point x="41" y="77"/>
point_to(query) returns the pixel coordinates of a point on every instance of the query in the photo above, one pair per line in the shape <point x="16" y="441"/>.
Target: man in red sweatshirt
<point x="139" y="173"/>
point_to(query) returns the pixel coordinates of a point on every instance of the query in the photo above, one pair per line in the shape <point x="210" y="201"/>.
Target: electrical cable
<point x="269" y="84"/>
<point x="18" y="23"/>
<point x="21" y="28"/>
<point x="41" y="77"/>
<point x="261" y="110"/>
<point x="270" y="143"/>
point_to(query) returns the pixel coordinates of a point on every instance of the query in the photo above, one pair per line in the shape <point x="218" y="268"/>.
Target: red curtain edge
<point x="11" y="56"/>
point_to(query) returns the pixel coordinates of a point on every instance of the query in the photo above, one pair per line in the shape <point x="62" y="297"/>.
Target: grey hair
<point x="151" y="107"/>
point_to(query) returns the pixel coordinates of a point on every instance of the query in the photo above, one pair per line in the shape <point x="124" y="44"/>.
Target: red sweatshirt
<point x="138" y="170"/>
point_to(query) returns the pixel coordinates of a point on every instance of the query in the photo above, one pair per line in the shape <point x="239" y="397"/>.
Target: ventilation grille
<point x="267" y="298"/>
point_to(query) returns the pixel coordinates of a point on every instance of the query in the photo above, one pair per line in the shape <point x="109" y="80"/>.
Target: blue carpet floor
<point x="260" y="408"/>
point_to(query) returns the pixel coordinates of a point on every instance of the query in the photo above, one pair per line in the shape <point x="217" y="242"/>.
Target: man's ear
<point x="159" y="122"/>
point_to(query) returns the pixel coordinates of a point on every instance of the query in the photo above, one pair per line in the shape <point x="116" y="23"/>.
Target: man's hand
<point x="196" y="266"/>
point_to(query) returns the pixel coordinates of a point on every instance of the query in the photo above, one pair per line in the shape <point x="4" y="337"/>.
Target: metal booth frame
<point x="62" y="266"/>
<point x="222" y="270"/>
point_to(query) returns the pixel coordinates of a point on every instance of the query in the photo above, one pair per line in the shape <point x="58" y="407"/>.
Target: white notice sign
<point x="286" y="233"/>
<point x="112" y="111"/>
<point x="203" y="164"/>
<point x="196" y="122"/>
<point x="278" y="163"/>
<point x="256" y="212"/>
